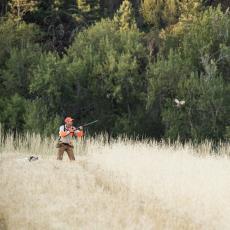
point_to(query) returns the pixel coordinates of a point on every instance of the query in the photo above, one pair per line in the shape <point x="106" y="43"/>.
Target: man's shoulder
<point x="62" y="127"/>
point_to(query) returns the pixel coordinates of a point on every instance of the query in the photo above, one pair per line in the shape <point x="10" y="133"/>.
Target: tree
<point x="203" y="116"/>
<point x="90" y="10"/>
<point x="39" y="119"/>
<point x="109" y="7"/>
<point x="12" y="113"/>
<point x="3" y="7"/>
<point x="16" y="76"/>
<point x="189" y="9"/>
<point x="224" y="3"/>
<point x="106" y="63"/>
<point x="160" y="13"/>
<point x="124" y="17"/>
<point x="18" y="8"/>
<point x="17" y="54"/>
<point x="52" y="92"/>
<point x="83" y="5"/>
<point x="194" y="72"/>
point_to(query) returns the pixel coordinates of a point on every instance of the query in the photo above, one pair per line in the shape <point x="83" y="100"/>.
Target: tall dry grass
<point x="122" y="185"/>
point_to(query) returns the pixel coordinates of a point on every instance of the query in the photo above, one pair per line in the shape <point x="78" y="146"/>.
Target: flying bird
<point x="179" y="103"/>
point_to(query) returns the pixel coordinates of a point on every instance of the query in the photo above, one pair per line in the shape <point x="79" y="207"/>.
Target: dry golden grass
<point x="122" y="185"/>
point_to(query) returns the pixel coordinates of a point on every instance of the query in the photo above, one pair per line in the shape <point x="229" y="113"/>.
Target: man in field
<point x="67" y="133"/>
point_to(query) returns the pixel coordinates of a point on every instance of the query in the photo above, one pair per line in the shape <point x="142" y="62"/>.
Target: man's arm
<point x="62" y="132"/>
<point x="79" y="132"/>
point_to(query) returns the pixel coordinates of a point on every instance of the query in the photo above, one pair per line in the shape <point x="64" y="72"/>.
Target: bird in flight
<point x="179" y="103"/>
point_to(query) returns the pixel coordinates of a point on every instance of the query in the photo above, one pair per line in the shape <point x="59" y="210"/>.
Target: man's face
<point x="69" y="123"/>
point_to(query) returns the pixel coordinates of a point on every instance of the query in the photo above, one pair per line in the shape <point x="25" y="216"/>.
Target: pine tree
<point x="125" y="16"/>
<point x="83" y="5"/>
<point x="89" y="9"/>
<point x="18" y="8"/>
<point x="160" y="13"/>
<point x="189" y="9"/>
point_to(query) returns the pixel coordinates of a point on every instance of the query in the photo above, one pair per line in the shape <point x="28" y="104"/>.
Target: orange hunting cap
<point x="68" y="119"/>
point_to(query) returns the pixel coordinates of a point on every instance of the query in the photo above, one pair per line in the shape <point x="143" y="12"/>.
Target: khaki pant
<point x="68" y="149"/>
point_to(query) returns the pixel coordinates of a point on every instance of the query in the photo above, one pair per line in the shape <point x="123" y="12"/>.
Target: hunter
<point x="67" y="133"/>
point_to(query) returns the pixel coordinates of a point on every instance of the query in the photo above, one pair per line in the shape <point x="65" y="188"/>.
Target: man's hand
<point x="72" y="129"/>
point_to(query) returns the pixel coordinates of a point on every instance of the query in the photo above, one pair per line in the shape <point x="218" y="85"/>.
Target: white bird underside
<point x="179" y="103"/>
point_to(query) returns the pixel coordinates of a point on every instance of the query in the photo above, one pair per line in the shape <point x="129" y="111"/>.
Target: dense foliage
<point x="122" y="62"/>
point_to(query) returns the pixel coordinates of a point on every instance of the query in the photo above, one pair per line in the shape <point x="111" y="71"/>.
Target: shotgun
<point x="87" y="124"/>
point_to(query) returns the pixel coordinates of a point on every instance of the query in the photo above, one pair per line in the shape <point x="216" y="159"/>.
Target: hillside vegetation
<point x="122" y="62"/>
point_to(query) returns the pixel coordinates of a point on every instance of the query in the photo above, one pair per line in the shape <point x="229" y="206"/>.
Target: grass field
<point x="121" y="185"/>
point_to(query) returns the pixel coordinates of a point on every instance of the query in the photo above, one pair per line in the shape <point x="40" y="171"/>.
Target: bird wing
<point x="177" y="101"/>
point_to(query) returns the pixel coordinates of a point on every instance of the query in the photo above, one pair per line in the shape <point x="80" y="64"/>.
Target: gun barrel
<point x="90" y="123"/>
